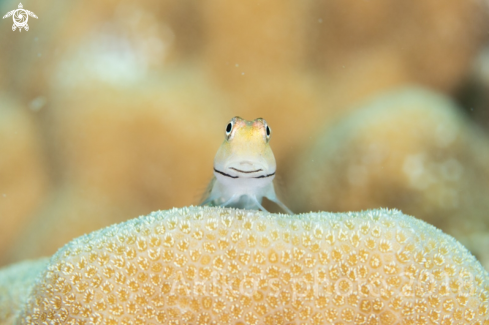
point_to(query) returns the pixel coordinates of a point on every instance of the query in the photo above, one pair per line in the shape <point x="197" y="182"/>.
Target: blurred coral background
<point x="112" y="109"/>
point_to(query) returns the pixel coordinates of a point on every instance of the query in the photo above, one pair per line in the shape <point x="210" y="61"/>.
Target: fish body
<point x="244" y="167"/>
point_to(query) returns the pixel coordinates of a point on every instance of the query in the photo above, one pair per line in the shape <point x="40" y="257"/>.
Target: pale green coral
<point x="16" y="282"/>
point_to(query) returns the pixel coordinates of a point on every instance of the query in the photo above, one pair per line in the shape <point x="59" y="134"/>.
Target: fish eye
<point x="229" y="128"/>
<point x="269" y="132"/>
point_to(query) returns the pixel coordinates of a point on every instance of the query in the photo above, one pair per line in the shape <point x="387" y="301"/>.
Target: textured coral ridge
<point x="225" y="266"/>
<point x="16" y="282"/>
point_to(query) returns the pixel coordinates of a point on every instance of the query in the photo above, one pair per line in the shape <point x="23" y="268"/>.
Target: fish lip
<point x="246" y="172"/>
<point x="241" y="177"/>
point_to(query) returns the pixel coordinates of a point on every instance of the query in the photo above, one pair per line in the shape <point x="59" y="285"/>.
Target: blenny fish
<point x="244" y="167"/>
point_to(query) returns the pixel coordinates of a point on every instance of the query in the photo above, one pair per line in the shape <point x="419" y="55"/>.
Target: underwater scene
<point x="344" y="116"/>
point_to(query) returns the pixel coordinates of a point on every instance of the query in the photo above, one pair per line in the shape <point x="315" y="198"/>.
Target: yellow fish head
<point x="246" y="151"/>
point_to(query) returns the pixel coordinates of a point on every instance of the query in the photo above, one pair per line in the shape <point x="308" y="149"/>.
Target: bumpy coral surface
<point x="16" y="282"/>
<point x="225" y="266"/>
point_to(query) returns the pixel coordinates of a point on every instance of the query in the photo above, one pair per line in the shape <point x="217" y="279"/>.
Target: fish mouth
<point x="246" y="171"/>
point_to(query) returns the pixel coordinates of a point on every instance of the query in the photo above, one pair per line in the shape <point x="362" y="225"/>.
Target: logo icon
<point x="20" y="17"/>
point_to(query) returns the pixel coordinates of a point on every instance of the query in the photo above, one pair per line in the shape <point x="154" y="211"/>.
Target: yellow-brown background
<point x="112" y="109"/>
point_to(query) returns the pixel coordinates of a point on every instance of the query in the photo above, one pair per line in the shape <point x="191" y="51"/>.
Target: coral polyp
<point x="225" y="266"/>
